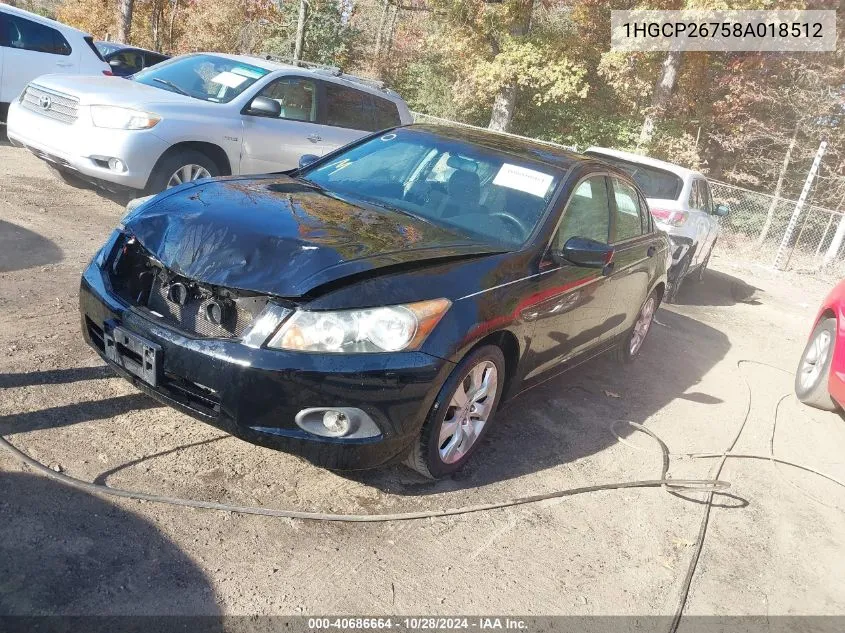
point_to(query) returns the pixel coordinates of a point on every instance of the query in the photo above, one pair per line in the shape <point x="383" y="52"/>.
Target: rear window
<point x="100" y="48"/>
<point x="387" y="114"/>
<point x="653" y="181"/>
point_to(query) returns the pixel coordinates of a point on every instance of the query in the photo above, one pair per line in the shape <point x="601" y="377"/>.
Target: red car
<point x="820" y="380"/>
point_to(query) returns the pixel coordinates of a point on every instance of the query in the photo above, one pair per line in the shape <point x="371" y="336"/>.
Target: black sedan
<point x="128" y="60"/>
<point x="380" y="303"/>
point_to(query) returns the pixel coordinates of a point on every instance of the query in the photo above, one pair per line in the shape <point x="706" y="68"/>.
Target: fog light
<point x="115" y="164"/>
<point x="336" y="422"/>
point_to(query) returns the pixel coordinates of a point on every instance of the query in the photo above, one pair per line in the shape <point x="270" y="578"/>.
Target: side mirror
<point x="721" y="210"/>
<point x="307" y="159"/>
<point x="583" y="251"/>
<point x="264" y="106"/>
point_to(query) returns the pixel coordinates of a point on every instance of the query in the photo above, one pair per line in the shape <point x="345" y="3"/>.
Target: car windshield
<point x="489" y="196"/>
<point x="205" y="77"/>
<point x="653" y="181"/>
<point x="105" y="47"/>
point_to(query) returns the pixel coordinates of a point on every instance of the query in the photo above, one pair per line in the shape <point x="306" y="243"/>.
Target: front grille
<point x="54" y="105"/>
<point x="141" y="281"/>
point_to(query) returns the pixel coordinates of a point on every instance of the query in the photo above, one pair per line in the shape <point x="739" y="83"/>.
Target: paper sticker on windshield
<point x="251" y="73"/>
<point x="523" y="179"/>
<point x="229" y="79"/>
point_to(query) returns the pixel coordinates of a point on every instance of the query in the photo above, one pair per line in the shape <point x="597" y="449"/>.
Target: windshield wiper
<point x="170" y="84"/>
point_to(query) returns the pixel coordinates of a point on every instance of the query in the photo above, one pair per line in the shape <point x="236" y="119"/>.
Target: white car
<point x="197" y="116"/>
<point x="32" y="45"/>
<point x="682" y="205"/>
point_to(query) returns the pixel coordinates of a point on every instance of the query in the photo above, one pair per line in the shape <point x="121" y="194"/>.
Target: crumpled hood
<point x="275" y="235"/>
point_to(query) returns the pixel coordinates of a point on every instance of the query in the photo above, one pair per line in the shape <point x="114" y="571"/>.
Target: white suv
<point x="197" y="116"/>
<point x="681" y="203"/>
<point x="32" y="45"/>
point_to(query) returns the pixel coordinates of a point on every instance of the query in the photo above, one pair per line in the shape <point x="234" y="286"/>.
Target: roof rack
<point x="333" y="71"/>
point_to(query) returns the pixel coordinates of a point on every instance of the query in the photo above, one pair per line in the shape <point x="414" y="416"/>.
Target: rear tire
<point x="164" y="173"/>
<point x="441" y="448"/>
<point x="814" y="367"/>
<point x="631" y="346"/>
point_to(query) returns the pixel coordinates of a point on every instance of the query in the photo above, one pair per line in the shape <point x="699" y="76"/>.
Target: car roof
<point x="681" y="172"/>
<point x="122" y="47"/>
<point x="349" y="80"/>
<point x="42" y="20"/>
<point x="552" y="155"/>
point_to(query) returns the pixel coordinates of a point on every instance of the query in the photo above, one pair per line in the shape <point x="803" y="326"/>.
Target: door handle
<point x="651" y="251"/>
<point x="314" y="138"/>
<point x="64" y="64"/>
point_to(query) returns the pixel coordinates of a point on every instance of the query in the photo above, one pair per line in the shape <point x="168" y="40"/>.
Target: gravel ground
<point x="776" y="544"/>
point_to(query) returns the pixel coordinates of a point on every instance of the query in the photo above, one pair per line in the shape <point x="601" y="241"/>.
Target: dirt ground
<point x="776" y="545"/>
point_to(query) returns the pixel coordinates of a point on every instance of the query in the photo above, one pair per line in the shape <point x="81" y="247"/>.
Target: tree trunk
<point x="170" y="30"/>
<point x="770" y="214"/>
<point x="300" y="29"/>
<point x="391" y="31"/>
<point x="504" y="105"/>
<point x="661" y="96"/>
<point x="124" y="20"/>
<point x="381" y="28"/>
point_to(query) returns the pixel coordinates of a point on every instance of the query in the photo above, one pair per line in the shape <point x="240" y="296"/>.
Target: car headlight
<point x="383" y="329"/>
<point x="117" y="118"/>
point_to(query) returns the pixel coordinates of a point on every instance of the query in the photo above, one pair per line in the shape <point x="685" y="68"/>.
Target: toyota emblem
<point x="45" y="102"/>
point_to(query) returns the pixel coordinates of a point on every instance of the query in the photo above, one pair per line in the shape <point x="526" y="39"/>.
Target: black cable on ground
<point x="675" y="484"/>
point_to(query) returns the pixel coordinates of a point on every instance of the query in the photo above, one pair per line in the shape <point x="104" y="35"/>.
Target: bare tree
<point x="663" y="90"/>
<point x="300" y="29"/>
<point x="124" y="20"/>
<point x="504" y="103"/>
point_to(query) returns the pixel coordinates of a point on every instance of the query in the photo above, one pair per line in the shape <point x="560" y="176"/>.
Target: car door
<point x="275" y="144"/>
<point x="348" y="114"/>
<point x="32" y="49"/>
<point x="636" y="249"/>
<point x="701" y="219"/>
<point x="568" y="309"/>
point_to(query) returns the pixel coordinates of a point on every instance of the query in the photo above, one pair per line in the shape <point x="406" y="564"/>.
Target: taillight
<point x="108" y="73"/>
<point x="670" y="216"/>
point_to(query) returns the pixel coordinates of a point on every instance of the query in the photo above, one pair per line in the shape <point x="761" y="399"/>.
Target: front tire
<point x="814" y="367"/>
<point x="461" y="414"/>
<point x="186" y="165"/>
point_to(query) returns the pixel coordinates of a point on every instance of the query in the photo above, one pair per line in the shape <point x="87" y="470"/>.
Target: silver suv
<point x="681" y="203"/>
<point x="196" y="116"/>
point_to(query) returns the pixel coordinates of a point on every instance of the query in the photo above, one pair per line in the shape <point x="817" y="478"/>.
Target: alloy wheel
<point x="187" y="173"/>
<point x="469" y="409"/>
<point x="642" y="325"/>
<point x="814" y="360"/>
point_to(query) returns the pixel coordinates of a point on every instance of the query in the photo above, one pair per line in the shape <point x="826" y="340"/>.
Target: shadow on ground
<point x="21" y="249"/>
<point x="567" y="418"/>
<point x="63" y="551"/>
<point x="717" y="289"/>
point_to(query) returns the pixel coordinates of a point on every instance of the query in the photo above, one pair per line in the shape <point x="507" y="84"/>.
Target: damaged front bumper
<point x="257" y="393"/>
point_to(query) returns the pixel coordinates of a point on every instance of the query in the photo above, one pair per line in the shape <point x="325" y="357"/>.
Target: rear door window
<point x="628" y="224"/>
<point x="31" y="36"/>
<point x="349" y="108"/>
<point x="695" y="198"/>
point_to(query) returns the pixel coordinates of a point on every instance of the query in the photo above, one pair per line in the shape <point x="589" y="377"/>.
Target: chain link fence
<point x="755" y="231"/>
